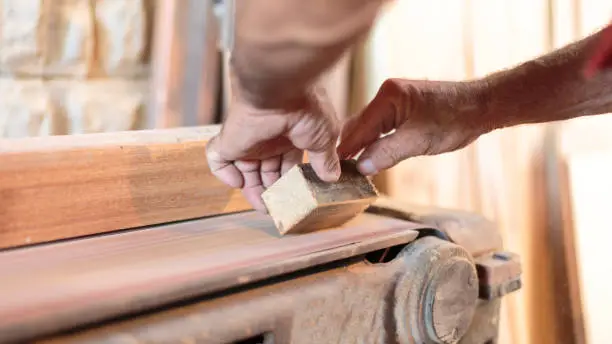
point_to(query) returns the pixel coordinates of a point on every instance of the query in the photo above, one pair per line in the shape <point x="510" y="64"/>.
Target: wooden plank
<point x="68" y="186"/>
<point x="185" y="64"/>
<point x="299" y="201"/>
<point x="590" y="187"/>
<point x="584" y="144"/>
<point x="57" y="286"/>
<point x="570" y="314"/>
<point x="510" y="187"/>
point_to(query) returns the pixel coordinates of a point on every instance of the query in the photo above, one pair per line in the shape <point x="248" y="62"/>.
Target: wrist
<point x="263" y="95"/>
<point x="508" y="97"/>
<point x="482" y="114"/>
<point x="468" y="107"/>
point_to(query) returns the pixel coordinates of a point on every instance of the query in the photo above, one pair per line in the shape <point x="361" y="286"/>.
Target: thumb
<point x="316" y="131"/>
<point x="221" y="168"/>
<point x="385" y="153"/>
<point x="326" y="163"/>
<point x="380" y="116"/>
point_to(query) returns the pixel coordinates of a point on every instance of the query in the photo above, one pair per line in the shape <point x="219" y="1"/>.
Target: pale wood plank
<point x="508" y="161"/>
<point x="579" y="142"/>
<point x="590" y="190"/>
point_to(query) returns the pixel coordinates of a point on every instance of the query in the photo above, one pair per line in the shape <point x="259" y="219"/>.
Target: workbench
<point x="127" y="237"/>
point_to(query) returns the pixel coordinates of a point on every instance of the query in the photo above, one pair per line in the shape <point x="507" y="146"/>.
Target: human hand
<point x="429" y="117"/>
<point x="256" y="146"/>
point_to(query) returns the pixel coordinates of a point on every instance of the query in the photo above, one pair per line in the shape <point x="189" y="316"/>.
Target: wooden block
<point x="299" y="201"/>
<point x="60" y="187"/>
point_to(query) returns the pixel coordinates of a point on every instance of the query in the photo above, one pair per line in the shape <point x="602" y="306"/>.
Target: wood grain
<point x="299" y="201"/>
<point x="69" y="186"/>
<point x="57" y="286"/>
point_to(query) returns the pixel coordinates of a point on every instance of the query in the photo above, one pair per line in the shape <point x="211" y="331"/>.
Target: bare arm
<point x="550" y="88"/>
<point x="281" y="46"/>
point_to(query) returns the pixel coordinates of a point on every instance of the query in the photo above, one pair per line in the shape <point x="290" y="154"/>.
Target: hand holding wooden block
<point x="300" y="202"/>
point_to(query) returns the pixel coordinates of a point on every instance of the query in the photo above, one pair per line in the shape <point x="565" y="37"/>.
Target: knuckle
<point x="392" y="85"/>
<point x="390" y="153"/>
<point x="399" y="95"/>
<point x="433" y="144"/>
<point x="212" y="153"/>
<point x="321" y="133"/>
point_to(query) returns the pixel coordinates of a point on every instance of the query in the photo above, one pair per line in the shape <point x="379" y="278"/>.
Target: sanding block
<point x="301" y="202"/>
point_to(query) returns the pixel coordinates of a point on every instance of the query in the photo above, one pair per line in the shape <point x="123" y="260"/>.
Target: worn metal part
<point x="435" y="298"/>
<point x="472" y="231"/>
<point x="381" y="279"/>
<point x="499" y="274"/>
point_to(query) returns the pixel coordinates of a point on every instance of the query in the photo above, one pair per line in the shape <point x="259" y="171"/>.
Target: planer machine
<point x="128" y="238"/>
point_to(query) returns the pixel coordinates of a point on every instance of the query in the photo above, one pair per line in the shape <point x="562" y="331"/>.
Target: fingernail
<point x="366" y="167"/>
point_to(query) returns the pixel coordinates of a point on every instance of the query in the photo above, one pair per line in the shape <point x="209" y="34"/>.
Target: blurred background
<point x="84" y="66"/>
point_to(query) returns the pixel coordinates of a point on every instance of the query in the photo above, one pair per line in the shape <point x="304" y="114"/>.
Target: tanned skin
<point x="551" y="88"/>
<point x="434" y="117"/>
<point x="282" y="46"/>
<point x="277" y="114"/>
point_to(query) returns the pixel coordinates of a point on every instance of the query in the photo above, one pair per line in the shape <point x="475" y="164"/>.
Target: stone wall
<point x="73" y="66"/>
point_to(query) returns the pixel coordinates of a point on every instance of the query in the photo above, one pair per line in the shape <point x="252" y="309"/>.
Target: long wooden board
<point x="69" y="186"/>
<point x="590" y="190"/>
<point x="57" y="286"/>
<point x="185" y="64"/>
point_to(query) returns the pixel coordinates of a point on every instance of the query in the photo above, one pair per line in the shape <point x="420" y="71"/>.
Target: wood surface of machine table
<point x="192" y="274"/>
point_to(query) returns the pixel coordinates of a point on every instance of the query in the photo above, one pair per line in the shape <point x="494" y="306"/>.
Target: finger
<point x="386" y="153"/>
<point x="360" y="131"/>
<point x="326" y="164"/>
<point x="270" y="170"/>
<point x="316" y="131"/>
<point x="318" y="136"/>
<point x="291" y="159"/>
<point x="357" y="133"/>
<point x="252" y="188"/>
<point x="223" y="169"/>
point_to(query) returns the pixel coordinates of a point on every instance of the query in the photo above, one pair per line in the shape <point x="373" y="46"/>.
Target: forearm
<point x="282" y="46"/>
<point x="550" y="88"/>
